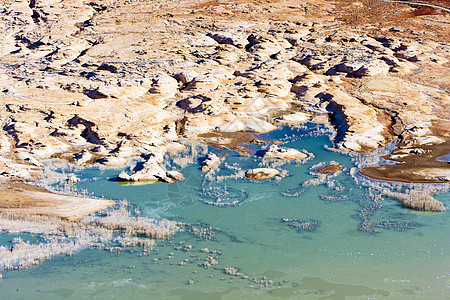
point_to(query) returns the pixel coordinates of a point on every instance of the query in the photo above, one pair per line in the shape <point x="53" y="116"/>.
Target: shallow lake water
<point x="303" y="242"/>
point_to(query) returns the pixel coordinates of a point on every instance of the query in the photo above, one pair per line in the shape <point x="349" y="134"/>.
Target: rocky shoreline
<point x="104" y="81"/>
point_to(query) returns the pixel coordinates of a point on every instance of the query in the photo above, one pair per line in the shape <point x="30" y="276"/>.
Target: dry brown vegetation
<point x="416" y="200"/>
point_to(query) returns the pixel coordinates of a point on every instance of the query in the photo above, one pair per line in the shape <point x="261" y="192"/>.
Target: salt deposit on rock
<point x="117" y="226"/>
<point x="276" y="152"/>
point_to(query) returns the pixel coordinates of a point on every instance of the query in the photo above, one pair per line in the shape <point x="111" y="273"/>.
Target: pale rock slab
<point x="151" y="171"/>
<point x="164" y="85"/>
<point x="261" y="173"/>
<point x="276" y="152"/>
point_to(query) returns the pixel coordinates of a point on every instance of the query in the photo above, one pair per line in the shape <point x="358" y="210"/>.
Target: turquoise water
<point x="396" y="253"/>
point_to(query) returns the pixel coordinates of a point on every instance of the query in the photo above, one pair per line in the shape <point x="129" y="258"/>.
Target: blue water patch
<point x="301" y="235"/>
<point x="445" y="158"/>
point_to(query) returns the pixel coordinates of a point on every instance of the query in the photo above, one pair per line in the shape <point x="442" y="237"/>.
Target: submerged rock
<point x="276" y="152"/>
<point x="257" y="142"/>
<point x="261" y="173"/>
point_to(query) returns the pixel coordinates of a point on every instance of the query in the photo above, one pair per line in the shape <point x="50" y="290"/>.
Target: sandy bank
<point x="414" y="165"/>
<point x="25" y="199"/>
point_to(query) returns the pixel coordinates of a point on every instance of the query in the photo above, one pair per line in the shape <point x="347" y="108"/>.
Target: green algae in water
<point x="335" y="260"/>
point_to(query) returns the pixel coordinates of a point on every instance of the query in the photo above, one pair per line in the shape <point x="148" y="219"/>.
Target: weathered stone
<point x="112" y="161"/>
<point x="164" y="84"/>
<point x="261" y="173"/>
<point x="264" y="45"/>
<point x="186" y="76"/>
<point x="276" y="152"/>
<point x="151" y="171"/>
<point x="329" y="169"/>
<point x="210" y="161"/>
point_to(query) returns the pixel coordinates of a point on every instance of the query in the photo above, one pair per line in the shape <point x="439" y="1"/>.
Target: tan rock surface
<point x="276" y="152"/>
<point x="261" y="173"/>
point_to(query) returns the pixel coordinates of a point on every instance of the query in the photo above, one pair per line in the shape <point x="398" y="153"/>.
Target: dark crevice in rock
<point x="337" y="116"/>
<point x="97" y="7"/>
<point x="180" y="126"/>
<point x="94" y="94"/>
<point x="107" y="67"/>
<point x="57" y="133"/>
<point x="89" y="132"/>
<point x="10" y="129"/>
<point x="49" y="116"/>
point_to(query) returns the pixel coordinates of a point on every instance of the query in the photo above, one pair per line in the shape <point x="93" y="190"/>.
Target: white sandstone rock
<point x="113" y="161"/>
<point x="275" y="152"/>
<point x="261" y="173"/>
<point x="294" y="118"/>
<point x="164" y="84"/>
<point x="151" y="171"/>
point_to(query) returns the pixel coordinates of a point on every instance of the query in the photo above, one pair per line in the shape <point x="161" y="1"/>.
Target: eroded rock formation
<point x="103" y="81"/>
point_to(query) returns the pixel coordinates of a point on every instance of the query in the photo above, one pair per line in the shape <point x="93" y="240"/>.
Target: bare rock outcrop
<point x="261" y="173"/>
<point x="329" y="169"/>
<point x="82" y="157"/>
<point x="276" y="152"/>
<point x="80" y="75"/>
<point x="151" y="171"/>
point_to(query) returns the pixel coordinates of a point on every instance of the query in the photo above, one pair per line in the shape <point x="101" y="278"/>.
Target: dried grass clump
<point x="23" y="255"/>
<point x="117" y="228"/>
<point x="121" y="220"/>
<point x="417" y="200"/>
